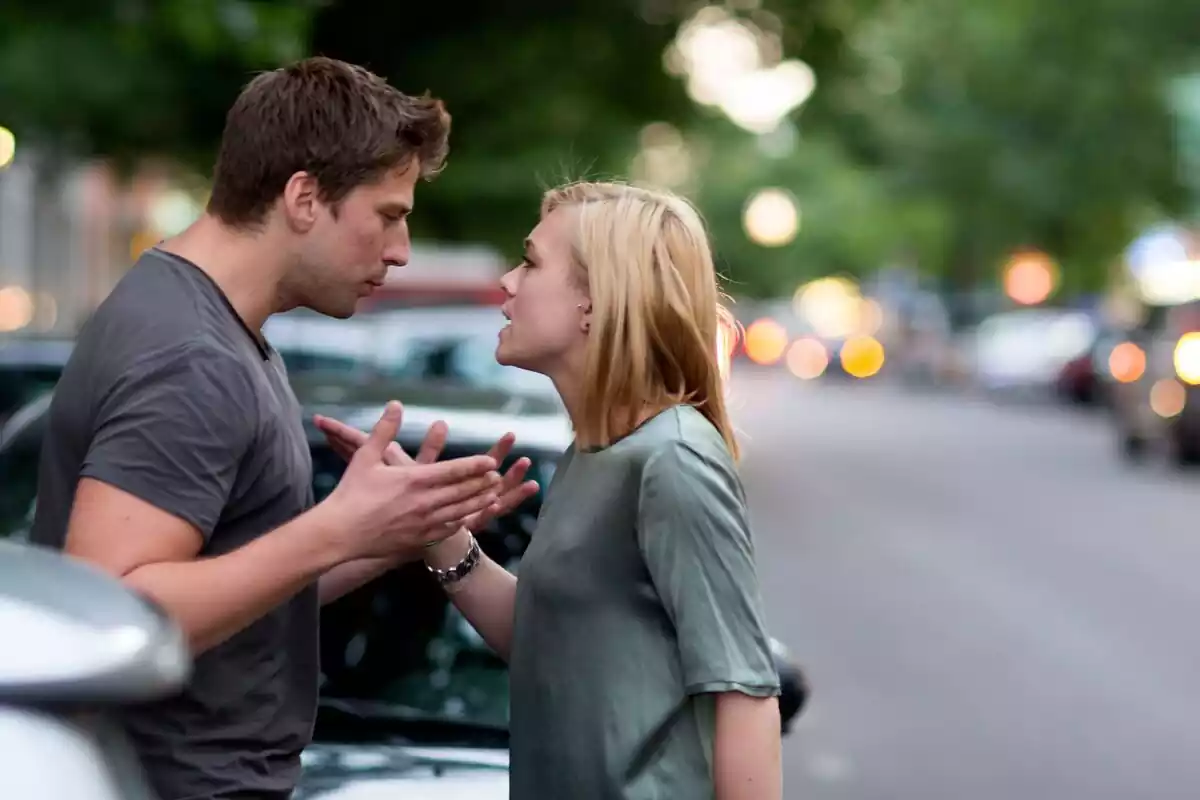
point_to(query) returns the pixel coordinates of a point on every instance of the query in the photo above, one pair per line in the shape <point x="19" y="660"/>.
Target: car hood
<point x="386" y="772"/>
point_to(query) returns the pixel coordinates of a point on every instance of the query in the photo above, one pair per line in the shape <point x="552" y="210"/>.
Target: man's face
<point x="346" y="253"/>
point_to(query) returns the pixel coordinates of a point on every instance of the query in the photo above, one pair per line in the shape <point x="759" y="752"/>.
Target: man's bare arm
<point x="212" y="599"/>
<point x="376" y="511"/>
<point x="346" y="577"/>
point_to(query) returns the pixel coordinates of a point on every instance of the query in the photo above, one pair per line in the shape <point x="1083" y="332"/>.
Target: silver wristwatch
<point x="462" y="569"/>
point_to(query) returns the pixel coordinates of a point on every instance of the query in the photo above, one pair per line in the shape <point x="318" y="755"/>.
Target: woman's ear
<point x="585" y="323"/>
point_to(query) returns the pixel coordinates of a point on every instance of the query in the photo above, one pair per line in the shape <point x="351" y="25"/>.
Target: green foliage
<point x="136" y="78"/>
<point x="943" y="133"/>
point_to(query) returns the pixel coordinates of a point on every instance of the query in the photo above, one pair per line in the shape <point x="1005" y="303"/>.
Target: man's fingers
<point x="433" y="499"/>
<point x="461" y="510"/>
<point x="384" y="432"/>
<point x="452" y="471"/>
<point x="436" y="533"/>
<point x="394" y="456"/>
<point x="435" y="440"/>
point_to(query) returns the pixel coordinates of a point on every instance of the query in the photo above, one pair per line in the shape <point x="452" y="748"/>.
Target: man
<point x="176" y="458"/>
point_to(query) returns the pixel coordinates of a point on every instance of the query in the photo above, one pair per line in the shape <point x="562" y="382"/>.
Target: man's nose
<point x="397" y="255"/>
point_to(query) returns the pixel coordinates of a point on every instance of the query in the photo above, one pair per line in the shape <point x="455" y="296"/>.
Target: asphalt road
<point x="989" y="604"/>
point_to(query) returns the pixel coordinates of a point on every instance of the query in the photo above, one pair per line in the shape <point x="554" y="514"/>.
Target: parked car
<point x="413" y="703"/>
<point x="451" y="345"/>
<point x="1157" y="405"/>
<point x="78" y="646"/>
<point x="1022" y="353"/>
<point x="29" y="365"/>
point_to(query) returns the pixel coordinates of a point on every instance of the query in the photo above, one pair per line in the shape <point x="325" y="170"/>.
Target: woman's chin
<point x="504" y="357"/>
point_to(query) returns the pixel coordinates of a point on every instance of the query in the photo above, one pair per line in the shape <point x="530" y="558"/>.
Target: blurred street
<point x="990" y="605"/>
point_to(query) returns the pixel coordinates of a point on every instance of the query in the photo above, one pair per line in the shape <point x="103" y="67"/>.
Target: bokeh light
<point x="832" y="306"/>
<point x="1187" y="358"/>
<point x="807" y="358"/>
<point x="766" y="340"/>
<point x="733" y="64"/>
<point x="862" y="356"/>
<point x="8" y="147"/>
<point x="1030" y="278"/>
<point x="771" y="217"/>
<point x="16" y="309"/>
<point x="1127" y="362"/>
<point x="1167" y="398"/>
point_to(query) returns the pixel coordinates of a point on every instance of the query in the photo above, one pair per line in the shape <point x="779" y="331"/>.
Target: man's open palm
<point x="514" y="490"/>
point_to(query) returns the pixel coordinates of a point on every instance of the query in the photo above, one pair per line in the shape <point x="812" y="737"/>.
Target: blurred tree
<point x="1027" y="124"/>
<point x="539" y="91"/>
<point x="136" y="78"/>
<point x="542" y="91"/>
<point x="943" y="132"/>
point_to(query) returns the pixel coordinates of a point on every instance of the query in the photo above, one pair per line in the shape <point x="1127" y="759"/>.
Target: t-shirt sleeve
<point x="694" y="534"/>
<point x="173" y="432"/>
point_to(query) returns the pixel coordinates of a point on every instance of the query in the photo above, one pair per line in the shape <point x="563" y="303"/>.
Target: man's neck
<point x="245" y="266"/>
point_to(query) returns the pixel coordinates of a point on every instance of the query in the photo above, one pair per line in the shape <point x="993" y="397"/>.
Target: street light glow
<point x="1030" y="278"/>
<point x="8" y="147"/>
<point x="771" y="218"/>
<point x="734" y="66"/>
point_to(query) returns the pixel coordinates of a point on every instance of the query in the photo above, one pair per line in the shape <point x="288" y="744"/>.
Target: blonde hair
<point x="657" y="319"/>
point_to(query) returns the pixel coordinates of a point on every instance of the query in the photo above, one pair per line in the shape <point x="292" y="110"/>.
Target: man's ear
<point x="300" y="202"/>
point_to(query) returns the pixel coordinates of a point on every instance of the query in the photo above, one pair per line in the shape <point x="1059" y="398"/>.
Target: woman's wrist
<point x="450" y="551"/>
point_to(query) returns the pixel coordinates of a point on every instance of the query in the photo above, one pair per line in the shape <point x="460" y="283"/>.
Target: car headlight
<point x="1187" y="358"/>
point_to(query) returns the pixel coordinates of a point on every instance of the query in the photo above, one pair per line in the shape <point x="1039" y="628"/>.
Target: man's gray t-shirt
<point x="636" y="601"/>
<point x="170" y="397"/>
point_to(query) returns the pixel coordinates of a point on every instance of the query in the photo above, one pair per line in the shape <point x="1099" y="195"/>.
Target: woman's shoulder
<point x="684" y="440"/>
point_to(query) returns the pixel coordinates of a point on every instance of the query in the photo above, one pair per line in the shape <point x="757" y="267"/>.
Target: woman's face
<point x="546" y="306"/>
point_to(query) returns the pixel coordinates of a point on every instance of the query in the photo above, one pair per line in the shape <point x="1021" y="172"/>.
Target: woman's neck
<point x="570" y="385"/>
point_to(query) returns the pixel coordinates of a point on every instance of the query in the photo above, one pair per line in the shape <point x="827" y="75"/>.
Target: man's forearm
<point x="350" y="575"/>
<point x="486" y="597"/>
<point x="214" y="598"/>
<point x="747" y="762"/>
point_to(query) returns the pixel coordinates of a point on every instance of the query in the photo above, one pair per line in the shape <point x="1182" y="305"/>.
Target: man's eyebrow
<point x="396" y="207"/>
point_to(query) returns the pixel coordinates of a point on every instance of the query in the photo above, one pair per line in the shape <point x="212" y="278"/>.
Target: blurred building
<point x="69" y="230"/>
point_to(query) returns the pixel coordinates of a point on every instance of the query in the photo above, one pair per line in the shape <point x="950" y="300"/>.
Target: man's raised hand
<point x="385" y="507"/>
<point x="513" y="491"/>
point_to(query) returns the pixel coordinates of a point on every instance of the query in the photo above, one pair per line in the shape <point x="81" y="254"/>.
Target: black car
<point x="411" y="696"/>
<point x="29" y="365"/>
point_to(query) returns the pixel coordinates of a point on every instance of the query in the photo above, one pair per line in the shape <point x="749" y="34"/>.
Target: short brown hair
<point x="339" y="122"/>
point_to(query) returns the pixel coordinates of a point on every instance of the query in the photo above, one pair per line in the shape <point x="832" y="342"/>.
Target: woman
<point x="638" y="656"/>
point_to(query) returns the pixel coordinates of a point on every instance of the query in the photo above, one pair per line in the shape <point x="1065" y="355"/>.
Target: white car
<point x="77" y="646"/>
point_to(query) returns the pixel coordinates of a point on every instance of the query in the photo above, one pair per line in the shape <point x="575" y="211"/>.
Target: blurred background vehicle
<point x="1025" y="352"/>
<point x="78" y="646"/>
<point x="1154" y="383"/>
<point x="29" y="365"/>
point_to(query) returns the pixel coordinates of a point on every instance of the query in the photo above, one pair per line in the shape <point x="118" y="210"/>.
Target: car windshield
<point x="453" y="345"/>
<point x="20" y="383"/>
